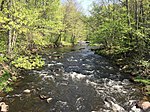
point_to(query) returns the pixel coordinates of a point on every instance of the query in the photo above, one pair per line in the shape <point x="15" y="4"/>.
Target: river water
<point x="74" y="80"/>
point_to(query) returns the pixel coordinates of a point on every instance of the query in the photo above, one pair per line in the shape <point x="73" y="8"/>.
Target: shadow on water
<point x="74" y="80"/>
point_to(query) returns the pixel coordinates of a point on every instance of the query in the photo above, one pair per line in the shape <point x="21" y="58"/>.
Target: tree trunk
<point x="127" y="7"/>
<point x="136" y="20"/>
<point x="10" y="41"/>
<point x="128" y="18"/>
<point x="73" y="39"/>
<point x="9" y="5"/>
<point x="136" y="15"/>
<point x="57" y="40"/>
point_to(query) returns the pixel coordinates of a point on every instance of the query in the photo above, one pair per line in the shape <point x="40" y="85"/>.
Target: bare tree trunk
<point x="128" y="18"/>
<point x="73" y="39"/>
<point x="9" y="4"/>
<point x="136" y="15"/>
<point x="142" y="19"/>
<point x="136" y="20"/>
<point x="14" y="39"/>
<point x="10" y="41"/>
<point x="57" y="40"/>
<point x="127" y="7"/>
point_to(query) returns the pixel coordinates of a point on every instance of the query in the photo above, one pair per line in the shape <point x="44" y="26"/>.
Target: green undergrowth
<point x="64" y="43"/>
<point x="6" y="80"/>
<point x="28" y="62"/>
<point x="129" y="61"/>
<point x="142" y="80"/>
<point x="2" y="59"/>
<point x="148" y="89"/>
<point x="8" y="69"/>
<point x="8" y="74"/>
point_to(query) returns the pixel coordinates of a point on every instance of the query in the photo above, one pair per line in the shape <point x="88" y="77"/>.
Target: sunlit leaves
<point x="27" y="62"/>
<point x="39" y="39"/>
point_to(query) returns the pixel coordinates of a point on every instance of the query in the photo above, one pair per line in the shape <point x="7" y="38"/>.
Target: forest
<point x="28" y="26"/>
<point x="120" y="29"/>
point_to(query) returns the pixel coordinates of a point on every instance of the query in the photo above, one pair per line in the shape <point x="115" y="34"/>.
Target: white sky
<point x="85" y="4"/>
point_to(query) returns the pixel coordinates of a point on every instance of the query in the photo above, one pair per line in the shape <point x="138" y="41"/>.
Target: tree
<point x="74" y="26"/>
<point x="122" y="29"/>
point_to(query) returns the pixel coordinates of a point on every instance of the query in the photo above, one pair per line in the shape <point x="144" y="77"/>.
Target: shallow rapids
<point x="75" y="80"/>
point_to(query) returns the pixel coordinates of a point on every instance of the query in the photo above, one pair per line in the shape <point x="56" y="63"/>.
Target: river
<point x="74" y="80"/>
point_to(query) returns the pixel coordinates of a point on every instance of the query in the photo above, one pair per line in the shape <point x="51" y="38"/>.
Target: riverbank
<point x="77" y="78"/>
<point x="9" y="68"/>
<point x="7" y="77"/>
<point x="128" y="62"/>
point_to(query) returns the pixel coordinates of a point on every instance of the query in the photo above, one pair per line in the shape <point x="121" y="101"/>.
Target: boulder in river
<point x="135" y="109"/>
<point x="50" y="57"/>
<point x="110" y="102"/>
<point x="42" y="97"/>
<point x="49" y="100"/>
<point x="27" y="91"/>
<point x="4" y="107"/>
<point x="145" y="105"/>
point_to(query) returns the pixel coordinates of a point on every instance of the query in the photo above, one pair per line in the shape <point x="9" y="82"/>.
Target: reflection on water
<point x="74" y="81"/>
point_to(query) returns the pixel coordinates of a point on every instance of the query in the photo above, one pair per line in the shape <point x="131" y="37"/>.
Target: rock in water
<point x="114" y="106"/>
<point x="42" y="97"/>
<point x="49" y="100"/>
<point x="145" y="105"/>
<point x="4" y="107"/>
<point x="27" y="91"/>
<point x="117" y="108"/>
<point x="135" y="109"/>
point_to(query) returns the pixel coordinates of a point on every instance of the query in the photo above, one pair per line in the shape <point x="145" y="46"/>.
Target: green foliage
<point x="74" y="26"/>
<point x="110" y="25"/>
<point x="2" y="59"/>
<point x="3" y="42"/>
<point x="141" y="80"/>
<point x="38" y="39"/>
<point x="8" y="89"/>
<point x="66" y="43"/>
<point x="27" y="26"/>
<point x="27" y="62"/>
<point x="148" y="89"/>
<point x="145" y="82"/>
<point x="4" y="80"/>
<point x="122" y="31"/>
<point x="144" y="63"/>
